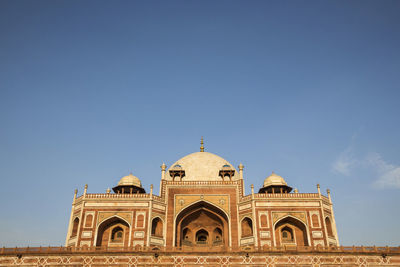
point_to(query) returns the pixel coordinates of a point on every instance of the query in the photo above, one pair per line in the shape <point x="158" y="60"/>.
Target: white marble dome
<point x="202" y="166"/>
<point x="130" y="180"/>
<point x="274" y="179"/>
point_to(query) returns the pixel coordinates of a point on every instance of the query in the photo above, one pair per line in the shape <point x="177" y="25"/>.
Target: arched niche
<point x="247" y="227"/>
<point x="113" y="232"/>
<point x="291" y="231"/>
<point x="201" y="216"/>
<point x="217" y="237"/>
<point x="314" y="220"/>
<point x="88" y="220"/>
<point x="157" y="227"/>
<point x="202" y="237"/>
<point x="75" y="226"/>
<point x="329" y="227"/>
<point x="263" y="220"/>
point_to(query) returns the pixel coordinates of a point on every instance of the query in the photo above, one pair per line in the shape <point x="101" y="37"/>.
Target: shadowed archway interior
<point x="291" y="231"/>
<point x="202" y="224"/>
<point x="113" y="232"/>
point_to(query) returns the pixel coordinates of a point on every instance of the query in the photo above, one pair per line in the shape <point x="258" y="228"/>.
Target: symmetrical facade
<point x="202" y="204"/>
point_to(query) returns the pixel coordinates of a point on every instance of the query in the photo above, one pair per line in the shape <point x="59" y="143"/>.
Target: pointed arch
<point x="329" y="227"/>
<point x="89" y="220"/>
<point x="263" y="220"/>
<point x="290" y="225"/>
<point x="157" y="227"/>
<point x="247" y="227"/>
<point x="315" y="220"/>
<point x="200" y="202"/>
<point x="109" y="231"/>
<point x="117" y="234"/>
<point x="217" y="235"/>
<point x="197" y="216"/>
<point x="75" y="226"/>
<point x="202" y="237"/>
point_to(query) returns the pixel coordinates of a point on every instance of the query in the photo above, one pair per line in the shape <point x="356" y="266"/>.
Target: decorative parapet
<point x="201" y="183"/>
<point x="372" y="250"/>
<point x="157" y="198"/>
<point x="289" y="195"/>
<point x="105" y="195"/>
<point x="286" y="196"/>
<point x="119" y="196"/>
<point x="245" y="198"/>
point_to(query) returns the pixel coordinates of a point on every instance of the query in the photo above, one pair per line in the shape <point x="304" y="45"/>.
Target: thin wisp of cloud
<point x="388" y="175"/>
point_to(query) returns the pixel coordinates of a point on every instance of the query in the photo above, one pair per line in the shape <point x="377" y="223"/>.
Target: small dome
<point x="274" y="179"/>
<point x="226" y="167"/>
<point x="176" y="167"/>
<point x="130" y="180"/>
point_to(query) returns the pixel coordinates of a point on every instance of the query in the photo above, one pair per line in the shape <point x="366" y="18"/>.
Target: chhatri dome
<point x="274" y="179"/>
<point x="275" y="184"/>
<point x="202" y="166"/>
<point x="130" y="180"/>
<point x="129" y="184"/>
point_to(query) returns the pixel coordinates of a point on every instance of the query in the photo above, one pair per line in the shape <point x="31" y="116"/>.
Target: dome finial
<point x="202" y="144"/>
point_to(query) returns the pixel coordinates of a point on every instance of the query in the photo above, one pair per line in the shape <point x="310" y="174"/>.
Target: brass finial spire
<point x="202" y="145"/>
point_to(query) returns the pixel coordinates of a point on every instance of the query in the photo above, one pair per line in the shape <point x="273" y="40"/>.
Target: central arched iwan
<point x="202" y="224"/>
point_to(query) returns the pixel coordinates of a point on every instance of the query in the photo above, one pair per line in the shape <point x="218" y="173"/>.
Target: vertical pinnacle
<point x="202" y="145"/>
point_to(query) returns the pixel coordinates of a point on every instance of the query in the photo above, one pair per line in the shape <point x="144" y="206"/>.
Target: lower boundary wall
<point x="199" y="259"/>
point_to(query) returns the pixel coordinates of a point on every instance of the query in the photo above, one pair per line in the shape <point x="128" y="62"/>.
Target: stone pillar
<point x="241" y="171"/>
<point x="333" y="218"/>
<point x="70" y="218"/>
<point x="241" y="177"/>
<point x="163" y="168"/>
<point x="253" y="211"/>
<point x="149" y="217"/>
<point x="329" y="195"/>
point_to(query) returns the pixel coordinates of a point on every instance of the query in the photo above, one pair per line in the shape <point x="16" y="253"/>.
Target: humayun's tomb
<point x="202" y="217"/>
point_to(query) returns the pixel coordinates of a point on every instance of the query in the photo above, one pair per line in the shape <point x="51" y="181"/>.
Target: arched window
<point x="263" y="220"/>
<point x="88" y="221"/>
<point x="202" y="237"/>
<point x="247" y="227"/>
<point x="217" y="236"/>
<point x="287" y="234"/>
<point x="140" y="221"/>
<point x="314" y="219"/>
<point x="75" y="227"/>
<point x="329" y="226"/>
<point x="157" y="227"/>
<point x="117" y="235"/>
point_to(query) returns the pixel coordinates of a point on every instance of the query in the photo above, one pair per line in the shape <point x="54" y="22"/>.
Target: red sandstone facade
<point x="202" y="205"/>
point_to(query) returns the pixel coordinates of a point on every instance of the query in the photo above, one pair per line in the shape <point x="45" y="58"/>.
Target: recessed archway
<point x="202" y="224"/>
<point x="75" y="227"/>
<point x="157" y="227"/>
<point x="291" y="231"/>
<point x="113" y="232"/>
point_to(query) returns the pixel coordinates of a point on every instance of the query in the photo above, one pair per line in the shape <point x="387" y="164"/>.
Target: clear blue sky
<point x="91" y="90"/>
